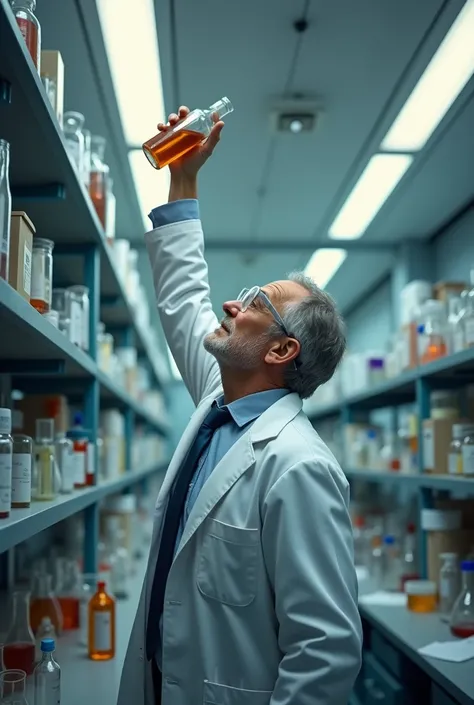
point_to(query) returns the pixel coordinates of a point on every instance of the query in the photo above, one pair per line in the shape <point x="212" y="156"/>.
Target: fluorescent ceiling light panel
<point x="175" y="373"/>
<point x="152" y="186"/>
<point x="323" y="265"/>
<point x="131" y="42"/>
<point x="376" y="183"/>
<point x="443" y="80"/>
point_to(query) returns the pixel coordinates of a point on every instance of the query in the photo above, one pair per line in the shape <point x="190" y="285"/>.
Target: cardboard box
<point x="443" y="291"/>
<point x="437" y="436"/>
<point x="21" y="247"/>
<point x="52" y="68"/>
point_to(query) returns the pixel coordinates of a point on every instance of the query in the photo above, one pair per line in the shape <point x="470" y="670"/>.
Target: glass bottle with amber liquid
<point x="190" y="131"/>
<point x="98" y="177"/>
<point x="101" y="625"/>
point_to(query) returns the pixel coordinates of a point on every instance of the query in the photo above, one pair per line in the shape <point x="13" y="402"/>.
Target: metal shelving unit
<point x="35" y="356"/>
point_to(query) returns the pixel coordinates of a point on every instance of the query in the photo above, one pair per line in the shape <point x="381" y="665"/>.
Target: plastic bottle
<point x="392" y="567"/>
<point x="101" y="625"/>
<point x="47" y="676"/>
<point x="165" y="147"/>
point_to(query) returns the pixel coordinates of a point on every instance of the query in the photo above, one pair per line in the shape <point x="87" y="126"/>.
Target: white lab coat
<point x="261" y="600"/>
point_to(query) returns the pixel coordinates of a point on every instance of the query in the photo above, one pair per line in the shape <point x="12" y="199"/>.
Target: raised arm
<point x="176" y="251"/>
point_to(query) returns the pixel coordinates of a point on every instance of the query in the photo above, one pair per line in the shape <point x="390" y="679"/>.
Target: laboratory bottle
<point x="73" y="124"/>
<point x="13" y="687"/>
<point x="190" y="131"/>
<point x="409" y="569"/>
<point x="462" y="617"/>
<point x="434" y="331"/>
<point x="360" y="541"/>
<point x="6" y="460"/>
<point x="459" y="433"/>
<point x="24" y="11"/>
<point x="5" y="209"/>
<point x="42" y="274"/>
<point x="46" y="630"/>
<point x="64" y="455"/>
<point x="44" y="603"/>
<point x="98" y="177"/>
<point x="45" y="460"/>
<point x="21" y="470"/>
<point x="79" y="437"/>
<point x="19" y="645"/>
<point x="391" y="564"/>
<point x="376" y="562"/>
<point x="47" y="676"/>
<point x="87" y="158"/>
<point x="101" y="625"/>
<point x="69" y="594"/>
<point x="455" y="328"/>
<point x="468" y="453"/>
<point x="120" y="568"/>
<point x="449" y="583"/>
<point x="469" y="316"/>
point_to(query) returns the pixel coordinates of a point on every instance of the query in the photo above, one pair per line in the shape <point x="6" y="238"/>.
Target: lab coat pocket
<point x="228" y="564"/>
<point x="215" y="694"/>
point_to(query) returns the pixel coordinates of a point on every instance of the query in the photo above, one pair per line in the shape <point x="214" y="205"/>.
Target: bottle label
<point x="468" y="460"/>
<point x="455" y="464"/>
<point x="469" y="331"/>
<point x="5" y="482"/>
<point x="428" y="448"/>
<point x="68" y="469"/>
<point x="102" y="631"/>
<point x="27" y="270"/>
<point x="79" y="461"/>
<point x="38" y="276"/>
<point x="21" y="478"/>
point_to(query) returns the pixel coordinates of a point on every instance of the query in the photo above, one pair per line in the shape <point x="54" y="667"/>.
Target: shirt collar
<point x="249" y="408"/>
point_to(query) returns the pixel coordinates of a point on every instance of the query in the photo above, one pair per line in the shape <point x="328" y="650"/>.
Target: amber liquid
<point x="45" y="607"/>
<point x="463" y="631"/>
<point x="97" y="194"/>
<point x="70" y="609"/>
<point x="165" y="147"/>
<point x="101" y="602"/>
<point x="40" y="305"/>
<point x="20" y="655"/>
<point x="433" y="352"/>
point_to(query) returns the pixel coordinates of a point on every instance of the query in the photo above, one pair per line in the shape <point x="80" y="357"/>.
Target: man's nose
<point x="232" y="308"/>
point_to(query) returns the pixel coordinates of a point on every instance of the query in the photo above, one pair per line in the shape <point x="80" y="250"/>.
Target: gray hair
<point x="316" y="324"/>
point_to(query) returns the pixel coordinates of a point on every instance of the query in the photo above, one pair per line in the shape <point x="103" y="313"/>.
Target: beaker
<point x="19" y="645"/>
<point x="13" y="687"/>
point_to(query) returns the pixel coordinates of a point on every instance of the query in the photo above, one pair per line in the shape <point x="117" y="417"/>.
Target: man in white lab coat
<point x="250" y="596"/>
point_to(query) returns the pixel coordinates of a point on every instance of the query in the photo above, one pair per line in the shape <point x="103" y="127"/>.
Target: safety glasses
<point x="246" y="299"/>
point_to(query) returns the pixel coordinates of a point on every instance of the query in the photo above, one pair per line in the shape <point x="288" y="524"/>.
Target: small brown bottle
<point x="101" y="625"/>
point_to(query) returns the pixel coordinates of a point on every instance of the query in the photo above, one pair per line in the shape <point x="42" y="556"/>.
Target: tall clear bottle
<point x="5" y="208"/>
<point x="24" y="11"/>
<point x="165" y="147"/>
<point x="45" y="460"/>
<point x="98" y="177"/>
<point x="6" y="460"/>
<point x="21" y="471"/>
<point x="47" y="676"/>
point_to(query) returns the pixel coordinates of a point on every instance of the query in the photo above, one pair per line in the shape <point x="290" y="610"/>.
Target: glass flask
<point x="41" y="274"/>
<point x="24" y="11"/>
<point x="44" y="460"/>
<point x="80" y="294"/>
<point x="44" y="603"/>
<point x="73" y="124"/>
<point x="69" y="594"/>
<point x="98" y="176"/>
<point x="13" y="687"/>
<point x="6" y="460"/>
<point x="101" y="625"/>
<point x="47" y="676"/>
<point x="46" y="630"/>
<point x="449" y="583"/>
<point x="21" y="470"/>
<point x="165" y="147"/>
<point x="462" y="617"/>
<point x="5" y="208"/>
<point x="19" y="646"/>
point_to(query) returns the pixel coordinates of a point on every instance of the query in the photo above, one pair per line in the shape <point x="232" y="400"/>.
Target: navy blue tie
<point x="214" y="420"/>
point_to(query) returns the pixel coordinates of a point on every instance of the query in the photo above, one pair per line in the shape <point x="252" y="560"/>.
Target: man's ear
<point x="282" y="351"/>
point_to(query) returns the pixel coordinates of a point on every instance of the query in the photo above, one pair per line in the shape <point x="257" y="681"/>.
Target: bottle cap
<point x="467" y="566"/>
<point x="5" y="420"/>
<point x="389" y="540"/>
<point x="101" y="586"/>
<point x="420" y="587"/>
<point x="78" y="418"/>
<point x="47" y="645"/>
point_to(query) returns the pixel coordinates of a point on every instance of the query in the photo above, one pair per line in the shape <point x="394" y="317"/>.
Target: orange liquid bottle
<point x="165" y="147"/>
<point x="101" y="625"/>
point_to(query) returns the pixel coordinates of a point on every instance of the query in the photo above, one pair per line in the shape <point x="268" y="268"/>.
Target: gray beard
<point x="238" y="355"/>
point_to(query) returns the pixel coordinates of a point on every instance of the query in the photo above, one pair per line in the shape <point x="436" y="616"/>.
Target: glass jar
<point x="5" y="208"/>
<point x="449" y="583"/>
<point x="44" y="460"/>
<point x="80" y="294"/>
<point x="98" y="177"/>
<point x="468" y="453"/>
<point x="6" y="459"/>
<point x="60" y="301"/>
<point x="73" y="124"/>
<point x="64" y="455"/>
<point x="86" y="176"/>
<point x="462" y="618"/>
<point x="21" y="470"/>
<point x="29" y="27"/>
<point x="42" y="274"/>
<point x="444" y="404"/>
<point x="421" y="595"/>
<point x="455" y="458"/>
<point x="44" y="603"/>
<point x="13" y="687"/>
<point x="19" y="646"/>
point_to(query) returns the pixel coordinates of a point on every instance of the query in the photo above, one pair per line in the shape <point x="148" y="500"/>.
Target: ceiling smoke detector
<point x="296" y="115"/>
